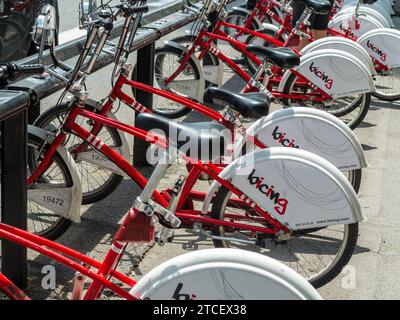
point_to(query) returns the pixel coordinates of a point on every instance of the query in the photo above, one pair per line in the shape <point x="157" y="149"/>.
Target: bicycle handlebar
<point x="11" y="71"/>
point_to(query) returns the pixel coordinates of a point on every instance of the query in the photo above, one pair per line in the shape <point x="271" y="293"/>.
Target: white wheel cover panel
<point x="342" y="44"/>
<point x="311" y="130"/>
<point x="340" y="22"/>
<point x="383" y="45"/>
<point x="337" y="73"/>
<point x="298" y="188"/>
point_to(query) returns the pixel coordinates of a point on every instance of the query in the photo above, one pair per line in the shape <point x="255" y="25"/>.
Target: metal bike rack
<point x="13" y="118"/>
<point x="13" y="115"/>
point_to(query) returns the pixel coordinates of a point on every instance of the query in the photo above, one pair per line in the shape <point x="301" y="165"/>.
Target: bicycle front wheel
<point x="98" y="182"/>
<point x="188" y="83"/>
<point x="318" y="256"/>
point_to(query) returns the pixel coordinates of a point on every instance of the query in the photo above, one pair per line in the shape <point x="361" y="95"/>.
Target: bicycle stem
<point x="93" y="59"/>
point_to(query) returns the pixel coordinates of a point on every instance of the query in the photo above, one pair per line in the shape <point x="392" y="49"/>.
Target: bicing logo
<point x="268" y="190"/>
<point x="283" y="140"/>
<point x="377" y="50"/>
<point x="321" y="75"/>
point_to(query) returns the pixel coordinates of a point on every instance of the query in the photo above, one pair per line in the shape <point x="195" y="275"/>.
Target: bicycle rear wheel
<point x="237" y="18"/>
<point x="207" y="62"/>
<point x="318" y="256"/>
<point x="43" y="207"/>
<point x="251" y="39"/>
<point x="97" y="182"/>
<point x="388" y="85"/>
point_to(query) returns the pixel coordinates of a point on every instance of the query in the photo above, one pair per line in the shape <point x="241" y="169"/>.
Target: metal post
<point x="14" y="195"/>
<point x="144" y="74"/>
<point x="33" y="112"/>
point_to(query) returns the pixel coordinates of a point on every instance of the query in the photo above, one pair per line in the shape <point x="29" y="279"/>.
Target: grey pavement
<point x="376" y="261"/>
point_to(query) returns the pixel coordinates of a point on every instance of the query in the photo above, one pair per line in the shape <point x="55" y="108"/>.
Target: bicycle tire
<point x="230" y="18"/>
<point x="208" y="59"/>
<point x="250" y="40"/>
<point x="387" y="96"/>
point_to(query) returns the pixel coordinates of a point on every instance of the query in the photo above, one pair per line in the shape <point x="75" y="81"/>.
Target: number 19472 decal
<point x="54" y="200"/>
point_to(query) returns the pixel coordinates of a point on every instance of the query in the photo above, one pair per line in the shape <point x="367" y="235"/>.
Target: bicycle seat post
<point x="156" y="176"/>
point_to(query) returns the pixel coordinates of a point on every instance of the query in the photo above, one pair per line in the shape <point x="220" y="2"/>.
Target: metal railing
<point x="13" y="119"/>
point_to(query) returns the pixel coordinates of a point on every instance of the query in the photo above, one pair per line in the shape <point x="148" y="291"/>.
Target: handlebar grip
<point x="12" y="70"/>
<point x="31" y="69"/>
<point x="140" y="9"/>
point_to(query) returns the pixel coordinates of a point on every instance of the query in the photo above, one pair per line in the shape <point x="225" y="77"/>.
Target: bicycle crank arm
<point x="198" y="229"/>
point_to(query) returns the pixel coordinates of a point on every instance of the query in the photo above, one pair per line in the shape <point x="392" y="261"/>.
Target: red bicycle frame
<point x="317" y="94"/>
<point x="265" y="8"/>
<point x="100" y="119"/>
<point x="69" y="258"/>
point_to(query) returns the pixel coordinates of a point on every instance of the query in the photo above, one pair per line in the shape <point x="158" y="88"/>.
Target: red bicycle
<point x="200" y="274"/>
<point x="100" y="176"/>
<point x="245" y="211"/>
<point x="279" y="17"/>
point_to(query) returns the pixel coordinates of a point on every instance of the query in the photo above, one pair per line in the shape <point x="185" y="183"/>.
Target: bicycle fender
<point x="72" y="201"/>
<point x="342" y="44"/>
<point x="312" y="130"/>
<point x="367" y="23"/>
<point x="337" y="73"/>
<point x="383" y="45"/>
<point x="247" y="12"/>
<point x="296" y="187"/>
<point x="220" y="274"/>
<point x="201" y="85"/>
